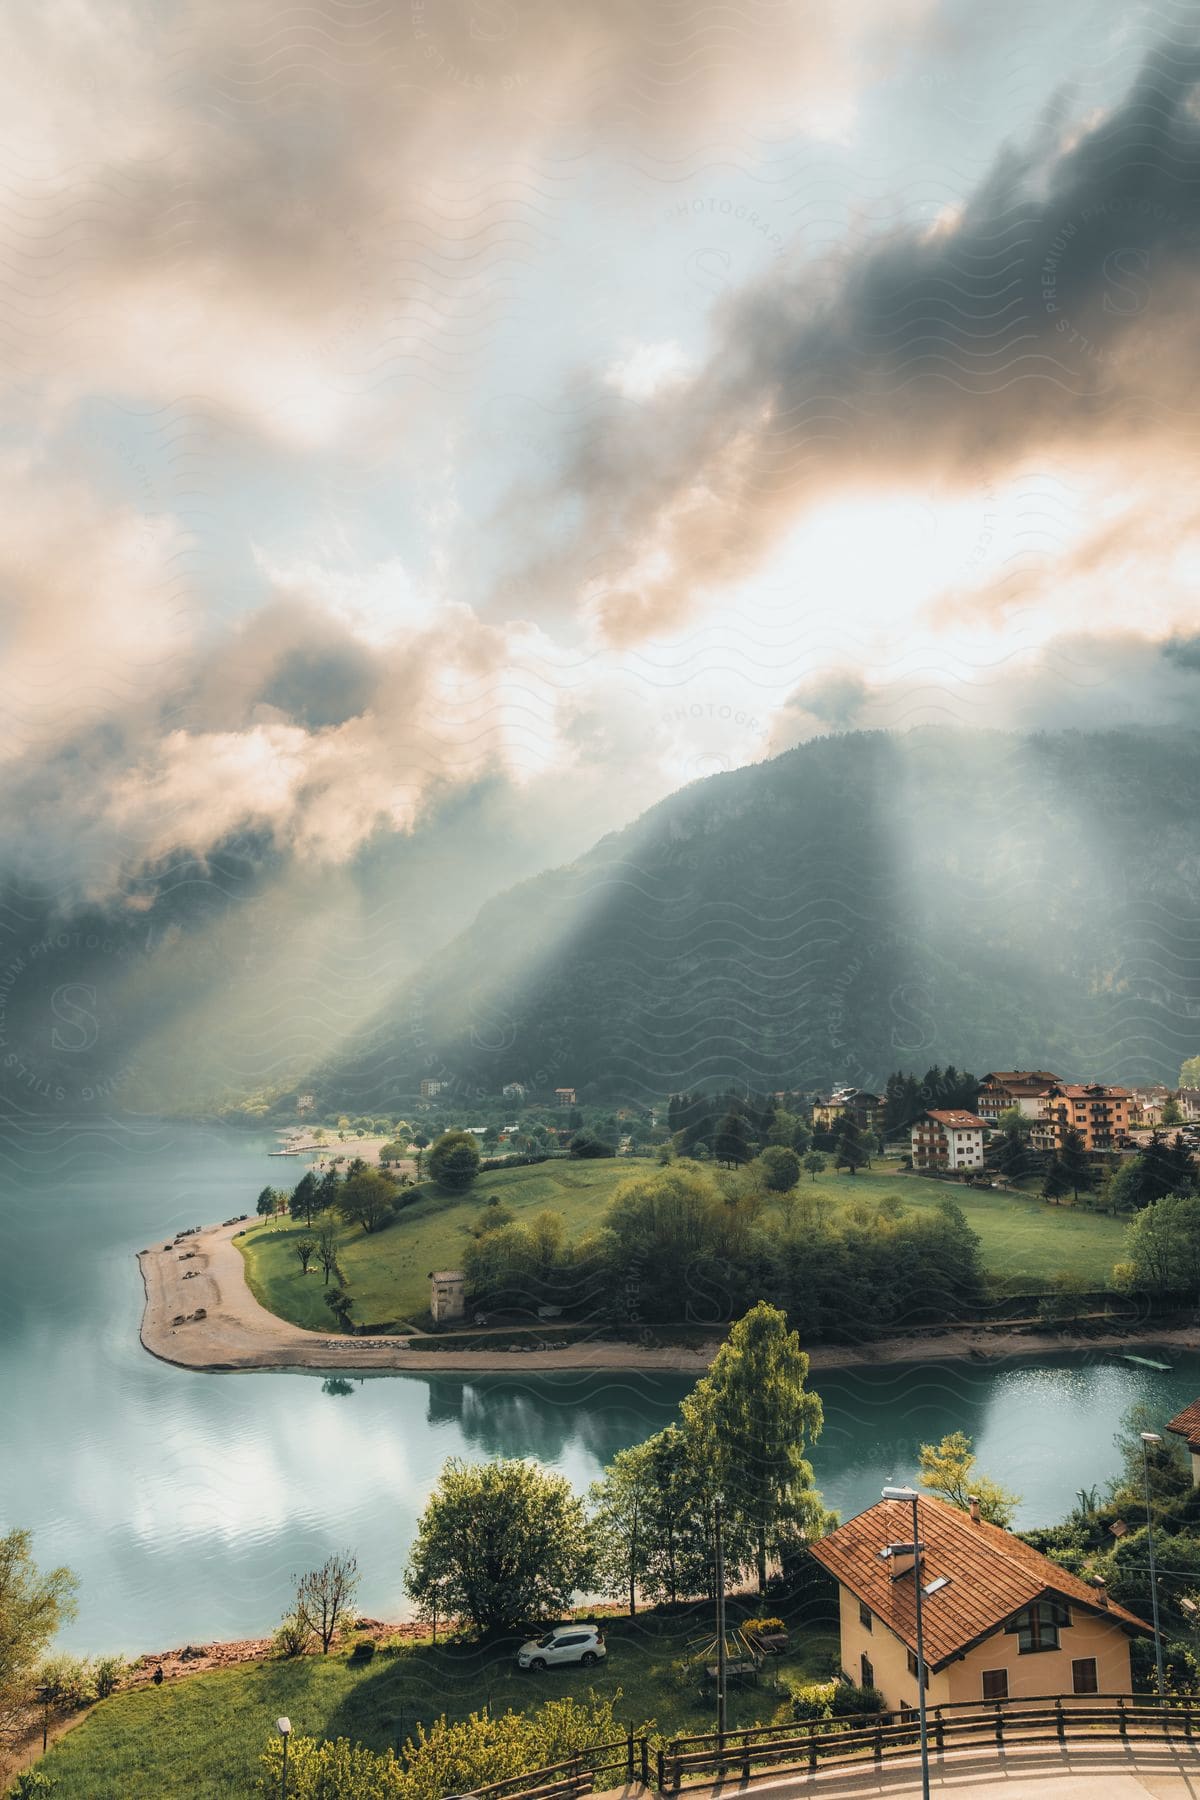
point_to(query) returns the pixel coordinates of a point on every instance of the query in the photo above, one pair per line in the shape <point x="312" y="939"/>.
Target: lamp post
<point x="284" y="1728"/>
<point x="910" y="1495"/>
<point x="719" y="1546"/>
<point x="44" y="1695"/>
<point x="1148" y="1438"/>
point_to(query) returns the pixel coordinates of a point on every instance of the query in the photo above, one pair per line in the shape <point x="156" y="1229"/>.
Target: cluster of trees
<point x="732" y="1128"/>
<point x="1162" y="1247"/>
<point x="684" y="1242"/>
<point x="505" y="1543"/>
<point x="906" y="1095"/>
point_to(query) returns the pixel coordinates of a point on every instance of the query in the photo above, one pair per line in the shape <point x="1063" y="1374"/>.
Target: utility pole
<point x="1148" y="1438"/>
<point x="720" y="1571"/>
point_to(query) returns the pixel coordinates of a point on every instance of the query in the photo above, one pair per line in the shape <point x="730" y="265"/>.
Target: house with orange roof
<point x="1187" y="1426"/>
<point x="948" y="1139"/>
<point x="1007" y="1090"/>
<point x="1099" y="1113"/>
<point x="1000" y="1621"/>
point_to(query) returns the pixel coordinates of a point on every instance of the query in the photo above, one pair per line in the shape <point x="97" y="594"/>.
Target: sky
<point x="435" y="427"/>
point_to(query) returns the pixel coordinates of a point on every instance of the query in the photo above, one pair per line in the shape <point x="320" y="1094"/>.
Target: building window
<point x="1037" y="1626"/>
<point x="912" y="1667"/>
<point x="995" y="1684"/>
<point x="866" y="1673"/>
<point x="864" y="1616"/>
<point x="1083" y="1676"/>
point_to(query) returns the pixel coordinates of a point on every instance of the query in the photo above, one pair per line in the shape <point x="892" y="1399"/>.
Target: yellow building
<point x="1006" y="1623"/>
<point x="1187" y="1426"/>
<point x="1098" y="1113"/>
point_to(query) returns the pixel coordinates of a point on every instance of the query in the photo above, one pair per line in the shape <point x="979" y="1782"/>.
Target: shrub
<point x="363" y="1650"/>
<point x="850" y="1698"/>
<point x="292" y="1637"/>
<point x="108" y="1675"/>
<point x="814" y="1700"/>
<point x="68" y="1679"/>
<point x="764" y="1625"/>
<point x="29" y="1784"/>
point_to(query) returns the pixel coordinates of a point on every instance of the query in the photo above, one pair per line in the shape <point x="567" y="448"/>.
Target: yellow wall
<point x="1035" y="1673"/>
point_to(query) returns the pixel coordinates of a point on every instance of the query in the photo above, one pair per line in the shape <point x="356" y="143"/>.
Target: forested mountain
<point x="861" y="903"/>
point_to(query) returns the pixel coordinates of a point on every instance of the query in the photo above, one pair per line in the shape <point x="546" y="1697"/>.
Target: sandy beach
<point x="206" y="1272"/>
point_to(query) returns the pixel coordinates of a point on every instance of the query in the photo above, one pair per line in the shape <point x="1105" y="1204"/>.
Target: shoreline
<point x="206" y="1271"/>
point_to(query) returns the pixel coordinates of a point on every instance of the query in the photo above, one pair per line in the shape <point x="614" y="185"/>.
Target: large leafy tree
<point x="454" y="1161"/>
<point x="948" y="1470"/>
<point x="500" y="1544"/>
<point x="1162" y="1246"/>
<point x="306" y="1198"/>
<point x="32" y="1607"/>
<point x="747" y="1421"/>
<point x="367" y="1198"/>
<point x="623" y="1521"/>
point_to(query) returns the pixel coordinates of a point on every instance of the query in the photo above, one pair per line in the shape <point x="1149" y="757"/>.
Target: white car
<point x="582" y="1644"/>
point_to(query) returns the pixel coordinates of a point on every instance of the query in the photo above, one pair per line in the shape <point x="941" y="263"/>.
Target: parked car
<point x="582" y="1644"/>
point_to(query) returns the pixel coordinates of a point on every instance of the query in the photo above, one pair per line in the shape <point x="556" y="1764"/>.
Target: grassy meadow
<point x="1026" y="1240"/>
<point x="204" y="1734"/>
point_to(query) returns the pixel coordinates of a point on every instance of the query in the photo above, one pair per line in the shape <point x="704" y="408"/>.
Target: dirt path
<point x="206" y="1271"/>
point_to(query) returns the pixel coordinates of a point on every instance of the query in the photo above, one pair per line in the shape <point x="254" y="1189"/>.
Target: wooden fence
<point x="855" y="1740"/>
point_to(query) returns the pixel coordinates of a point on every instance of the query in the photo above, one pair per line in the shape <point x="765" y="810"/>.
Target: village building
<point x="430" y="1089"/>
<point x="1098" y="1113"/>
<point x="1147" y="1104"/>
<point x="1188" y="1099"/>
<point x="866" y="1109"/>
<point x="564" y="1096"/>
<point x="1001" y="1622"/>
<point x="1187" y="1426"/>
<point x="948" y="1139"/>
<point x="1005" y="1089"/>
<point x="447" y="1297"/>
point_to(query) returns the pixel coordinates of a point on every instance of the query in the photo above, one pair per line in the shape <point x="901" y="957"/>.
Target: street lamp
<point x="719" y="1548"/>
<point x="284" y="1728"/>
<point x="911" y="1496"/>
<point x="1148" y="1438"/>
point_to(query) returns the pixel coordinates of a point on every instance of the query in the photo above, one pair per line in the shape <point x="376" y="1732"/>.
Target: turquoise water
<point x="185" y="1501"/>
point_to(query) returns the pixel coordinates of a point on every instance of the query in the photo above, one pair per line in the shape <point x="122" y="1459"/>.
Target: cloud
<point x="1053" y="308"/>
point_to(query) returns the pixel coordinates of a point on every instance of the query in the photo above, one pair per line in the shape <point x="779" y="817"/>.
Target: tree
<point x="849" y="1151"/>
<point x="780" y="1168"/>
<point x="947" y="1469"/>
<point x="747" y="1420"/>
<point x="499" y="1543"/>
<point x="32" y="1608"/>
<point x="265" y="1207"/>
<point x="587" y="1144"/>
<point x="330" y="1188"/>
<point x="327" y="1248"/>
<point x="1056" y="1182"/>
<point x="814" y="1162"/>
<point x="367" y="1198"/>
<point x="304" y="1249"/>
<point x="325" y="1597"/>
<point x="454" y="1161"/>
<point x="1189" y="1073"/>
<point x="1162" y="1246"/>
<point x="306" y="1198"/>
<point x="732" y="1144"/>
<point x="622" y="1509"/>
<point x="1172" y="1112"/>
<point x="341" y="1306"/>
<point x="1075" y="1163"/>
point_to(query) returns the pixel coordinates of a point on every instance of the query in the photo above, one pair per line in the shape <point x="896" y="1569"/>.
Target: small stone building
<point x="447" y="1298"/>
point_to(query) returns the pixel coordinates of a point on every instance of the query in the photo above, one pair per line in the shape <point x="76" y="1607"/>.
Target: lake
<point x="185" y="1501"/>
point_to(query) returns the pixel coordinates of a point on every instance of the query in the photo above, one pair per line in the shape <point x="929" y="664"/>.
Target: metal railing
<point x="856" y="1739"/>
<point x="956" y="1725"/>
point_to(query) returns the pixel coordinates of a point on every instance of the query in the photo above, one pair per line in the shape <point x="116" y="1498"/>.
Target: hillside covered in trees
<point x="863" y="902"/>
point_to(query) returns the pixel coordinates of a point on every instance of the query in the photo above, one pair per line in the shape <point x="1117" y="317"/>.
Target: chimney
<point x="1101" y="1588"/>
<point x="973" y="1503"/>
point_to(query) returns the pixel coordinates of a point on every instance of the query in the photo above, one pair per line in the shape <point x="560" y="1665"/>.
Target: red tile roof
<point x="992" y="1575"/>
<point x="958" y="1121"/>
<point x="1021" y="1081"/>
<point x="1187" y="1425"/>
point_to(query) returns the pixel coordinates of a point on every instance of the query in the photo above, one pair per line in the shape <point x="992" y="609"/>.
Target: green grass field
<point x="204" y="1735"/>
<point x="1026" y="1241"/>
<point x="388" y="1270"/>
